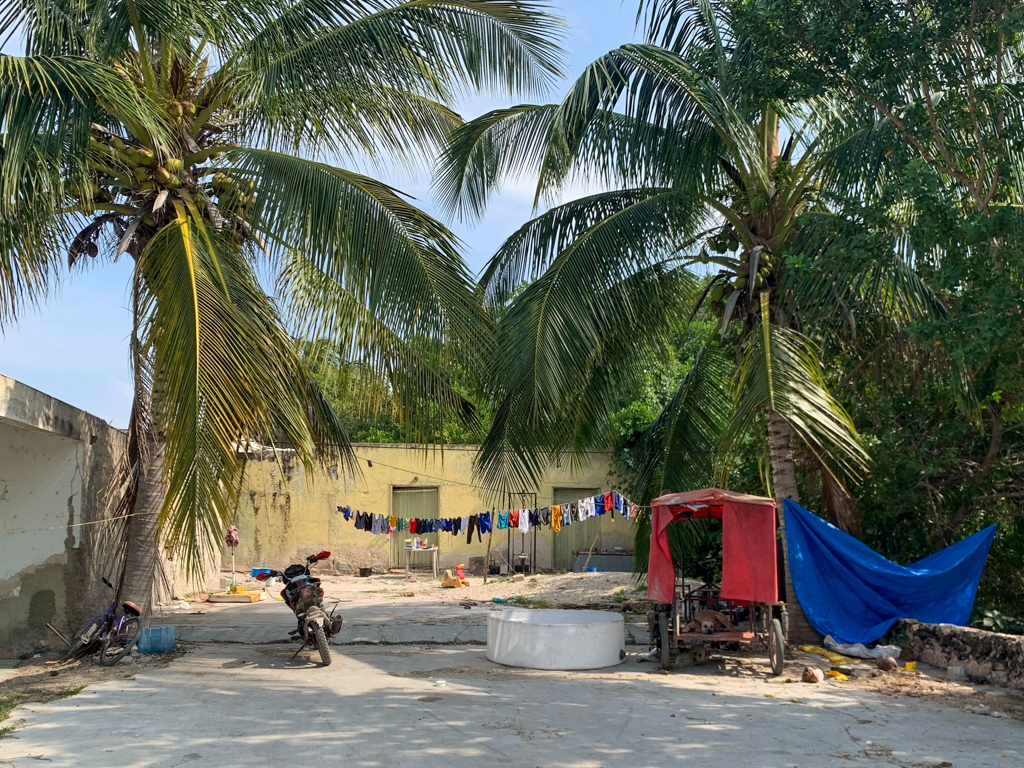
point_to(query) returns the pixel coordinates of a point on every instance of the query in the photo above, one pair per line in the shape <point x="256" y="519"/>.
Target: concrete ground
<point x="374" y="610"/>
<point x="238" y="699"/>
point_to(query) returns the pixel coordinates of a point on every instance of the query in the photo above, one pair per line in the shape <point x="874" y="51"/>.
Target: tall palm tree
<point x="694" y="172"/>
<point x="192" y="136"/>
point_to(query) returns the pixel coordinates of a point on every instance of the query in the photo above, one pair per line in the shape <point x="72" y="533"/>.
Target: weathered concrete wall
<point x="992" y="655"/>
<point x="55" y="465"/>
<point x="283" y="515"/>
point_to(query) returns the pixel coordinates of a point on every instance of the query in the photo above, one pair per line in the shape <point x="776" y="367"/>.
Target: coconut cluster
<point x="736" y="279"/>
<point x="124" y="166"/>
<point x="131" y="183"/>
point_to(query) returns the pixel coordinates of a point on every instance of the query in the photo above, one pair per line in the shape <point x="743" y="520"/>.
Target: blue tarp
<point x="851" y="592"/>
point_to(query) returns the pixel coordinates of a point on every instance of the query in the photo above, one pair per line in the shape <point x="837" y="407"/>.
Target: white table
<point x="432" y="550"/>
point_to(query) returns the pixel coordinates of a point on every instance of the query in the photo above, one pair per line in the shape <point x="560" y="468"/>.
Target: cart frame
<point x="766" y="621"/>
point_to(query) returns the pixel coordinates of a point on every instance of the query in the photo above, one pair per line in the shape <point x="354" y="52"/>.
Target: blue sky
<point x="74" y="347"/>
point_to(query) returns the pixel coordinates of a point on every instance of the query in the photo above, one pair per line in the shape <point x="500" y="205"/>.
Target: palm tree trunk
<point x="143" y="550"/>
<point x="784" y="480"/>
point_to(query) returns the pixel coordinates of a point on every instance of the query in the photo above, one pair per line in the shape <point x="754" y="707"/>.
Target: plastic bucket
<point x="156" y="640"/>
<point x="365" y="573"/>
<point x="257" y="571"/>
<point x="590" y="569"/>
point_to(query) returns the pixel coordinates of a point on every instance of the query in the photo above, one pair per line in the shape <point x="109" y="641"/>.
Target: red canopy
<point x="749" y="569"/>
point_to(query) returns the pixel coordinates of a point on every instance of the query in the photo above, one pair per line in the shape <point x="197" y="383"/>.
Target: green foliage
<point x="994" y="621"/>
<point x="186" y="136"/>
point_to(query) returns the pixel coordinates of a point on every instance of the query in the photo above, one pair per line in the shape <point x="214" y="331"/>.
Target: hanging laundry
<point x="545" y="516"/>
<point x="513" y="518"/>
<point x="503" y="520"/>
<point x="473" y="524"/>
<point x="556" y="518"/>
<point x="535" y="518"/>
<point x="567" y="514"/>
<point x="599" y="505"/>
<point x="524" y="520"/>
<point x="618" y="504"/>
<point x="609" y="504"/>
<point x="485" y="522"/>
<point x="587" y="508"/>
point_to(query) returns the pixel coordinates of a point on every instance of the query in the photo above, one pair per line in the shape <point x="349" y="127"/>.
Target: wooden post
<point x="590" y="554"/>
<point x="487" y="557"/>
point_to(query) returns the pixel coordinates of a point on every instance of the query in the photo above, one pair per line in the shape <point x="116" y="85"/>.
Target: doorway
<point x="419" y="503"/>
<point x="578" y="536"/>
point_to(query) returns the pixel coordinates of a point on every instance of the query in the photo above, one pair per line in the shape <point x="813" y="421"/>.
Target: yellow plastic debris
<point x="835" y="658"/>
<point x="837" y="675"/>
<point x="911" y="665"/>
<point x="769" y="695"/>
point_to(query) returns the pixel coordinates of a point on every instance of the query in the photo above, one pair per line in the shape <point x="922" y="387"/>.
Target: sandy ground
<point x="542" y="590"/>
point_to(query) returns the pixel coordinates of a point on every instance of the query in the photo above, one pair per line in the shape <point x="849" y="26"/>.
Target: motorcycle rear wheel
<point x="320" y="641"/>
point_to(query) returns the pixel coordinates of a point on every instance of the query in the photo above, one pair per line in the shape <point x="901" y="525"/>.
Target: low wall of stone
<point x="992" y="655"/>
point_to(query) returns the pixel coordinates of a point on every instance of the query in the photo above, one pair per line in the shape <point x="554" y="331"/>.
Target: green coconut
<point x="141" y="173"/>
<point x="739" y="283"/>
<point x="146" y="157"/>
<point x="717" y="292"/>
<point x="174" y="109"/>
<point x="174" y="164"/>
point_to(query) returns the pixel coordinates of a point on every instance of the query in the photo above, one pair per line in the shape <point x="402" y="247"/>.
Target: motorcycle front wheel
<point x="320" y="641"/>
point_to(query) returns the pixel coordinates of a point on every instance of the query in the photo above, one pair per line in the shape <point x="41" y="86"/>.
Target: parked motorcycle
<point x="303" y="594"/>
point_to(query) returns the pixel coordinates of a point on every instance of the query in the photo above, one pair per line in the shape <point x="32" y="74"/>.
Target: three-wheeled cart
<point x="748" y="595"/>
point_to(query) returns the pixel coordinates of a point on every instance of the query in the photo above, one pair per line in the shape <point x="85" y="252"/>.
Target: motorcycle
<point x="303" y="594"/>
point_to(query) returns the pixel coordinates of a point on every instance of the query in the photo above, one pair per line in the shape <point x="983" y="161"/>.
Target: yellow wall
<point x="283" y="515"/>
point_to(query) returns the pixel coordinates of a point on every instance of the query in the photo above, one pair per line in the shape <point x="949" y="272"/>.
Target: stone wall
<point x="995" y="656"/>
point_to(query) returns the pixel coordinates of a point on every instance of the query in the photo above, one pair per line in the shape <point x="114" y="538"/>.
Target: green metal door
<point x="418" y="503"/>
<point x="578" y="536"/>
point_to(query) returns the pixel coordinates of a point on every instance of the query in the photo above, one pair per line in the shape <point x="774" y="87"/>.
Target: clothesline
<point x="555" y="517"/>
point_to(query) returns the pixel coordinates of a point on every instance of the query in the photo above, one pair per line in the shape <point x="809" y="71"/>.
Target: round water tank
<point x="542" y="639"/>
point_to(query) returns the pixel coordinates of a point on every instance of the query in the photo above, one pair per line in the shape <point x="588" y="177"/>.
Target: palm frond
<point x="394" y="259"/>
<point x="224" y="371"/>
<point x="436" y="48"/>
<point x="604" y="235"/>
<point x="678" y="451"/>
<point x="567" y="350"/>
<point x="416" y="370"/>
<point x="780" y="370"/>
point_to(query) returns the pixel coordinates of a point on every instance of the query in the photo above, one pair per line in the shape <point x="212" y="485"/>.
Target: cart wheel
<point x="698" y="655"/>
<point x="666" y="643"/>
<point x="776" y="647"/>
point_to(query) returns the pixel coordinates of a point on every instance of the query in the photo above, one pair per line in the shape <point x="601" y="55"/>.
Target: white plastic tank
<point x="543" y="639"/>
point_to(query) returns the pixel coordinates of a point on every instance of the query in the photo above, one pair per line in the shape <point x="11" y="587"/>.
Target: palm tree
<point x="688" y="150"/>
<point x="192" y="136"/>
